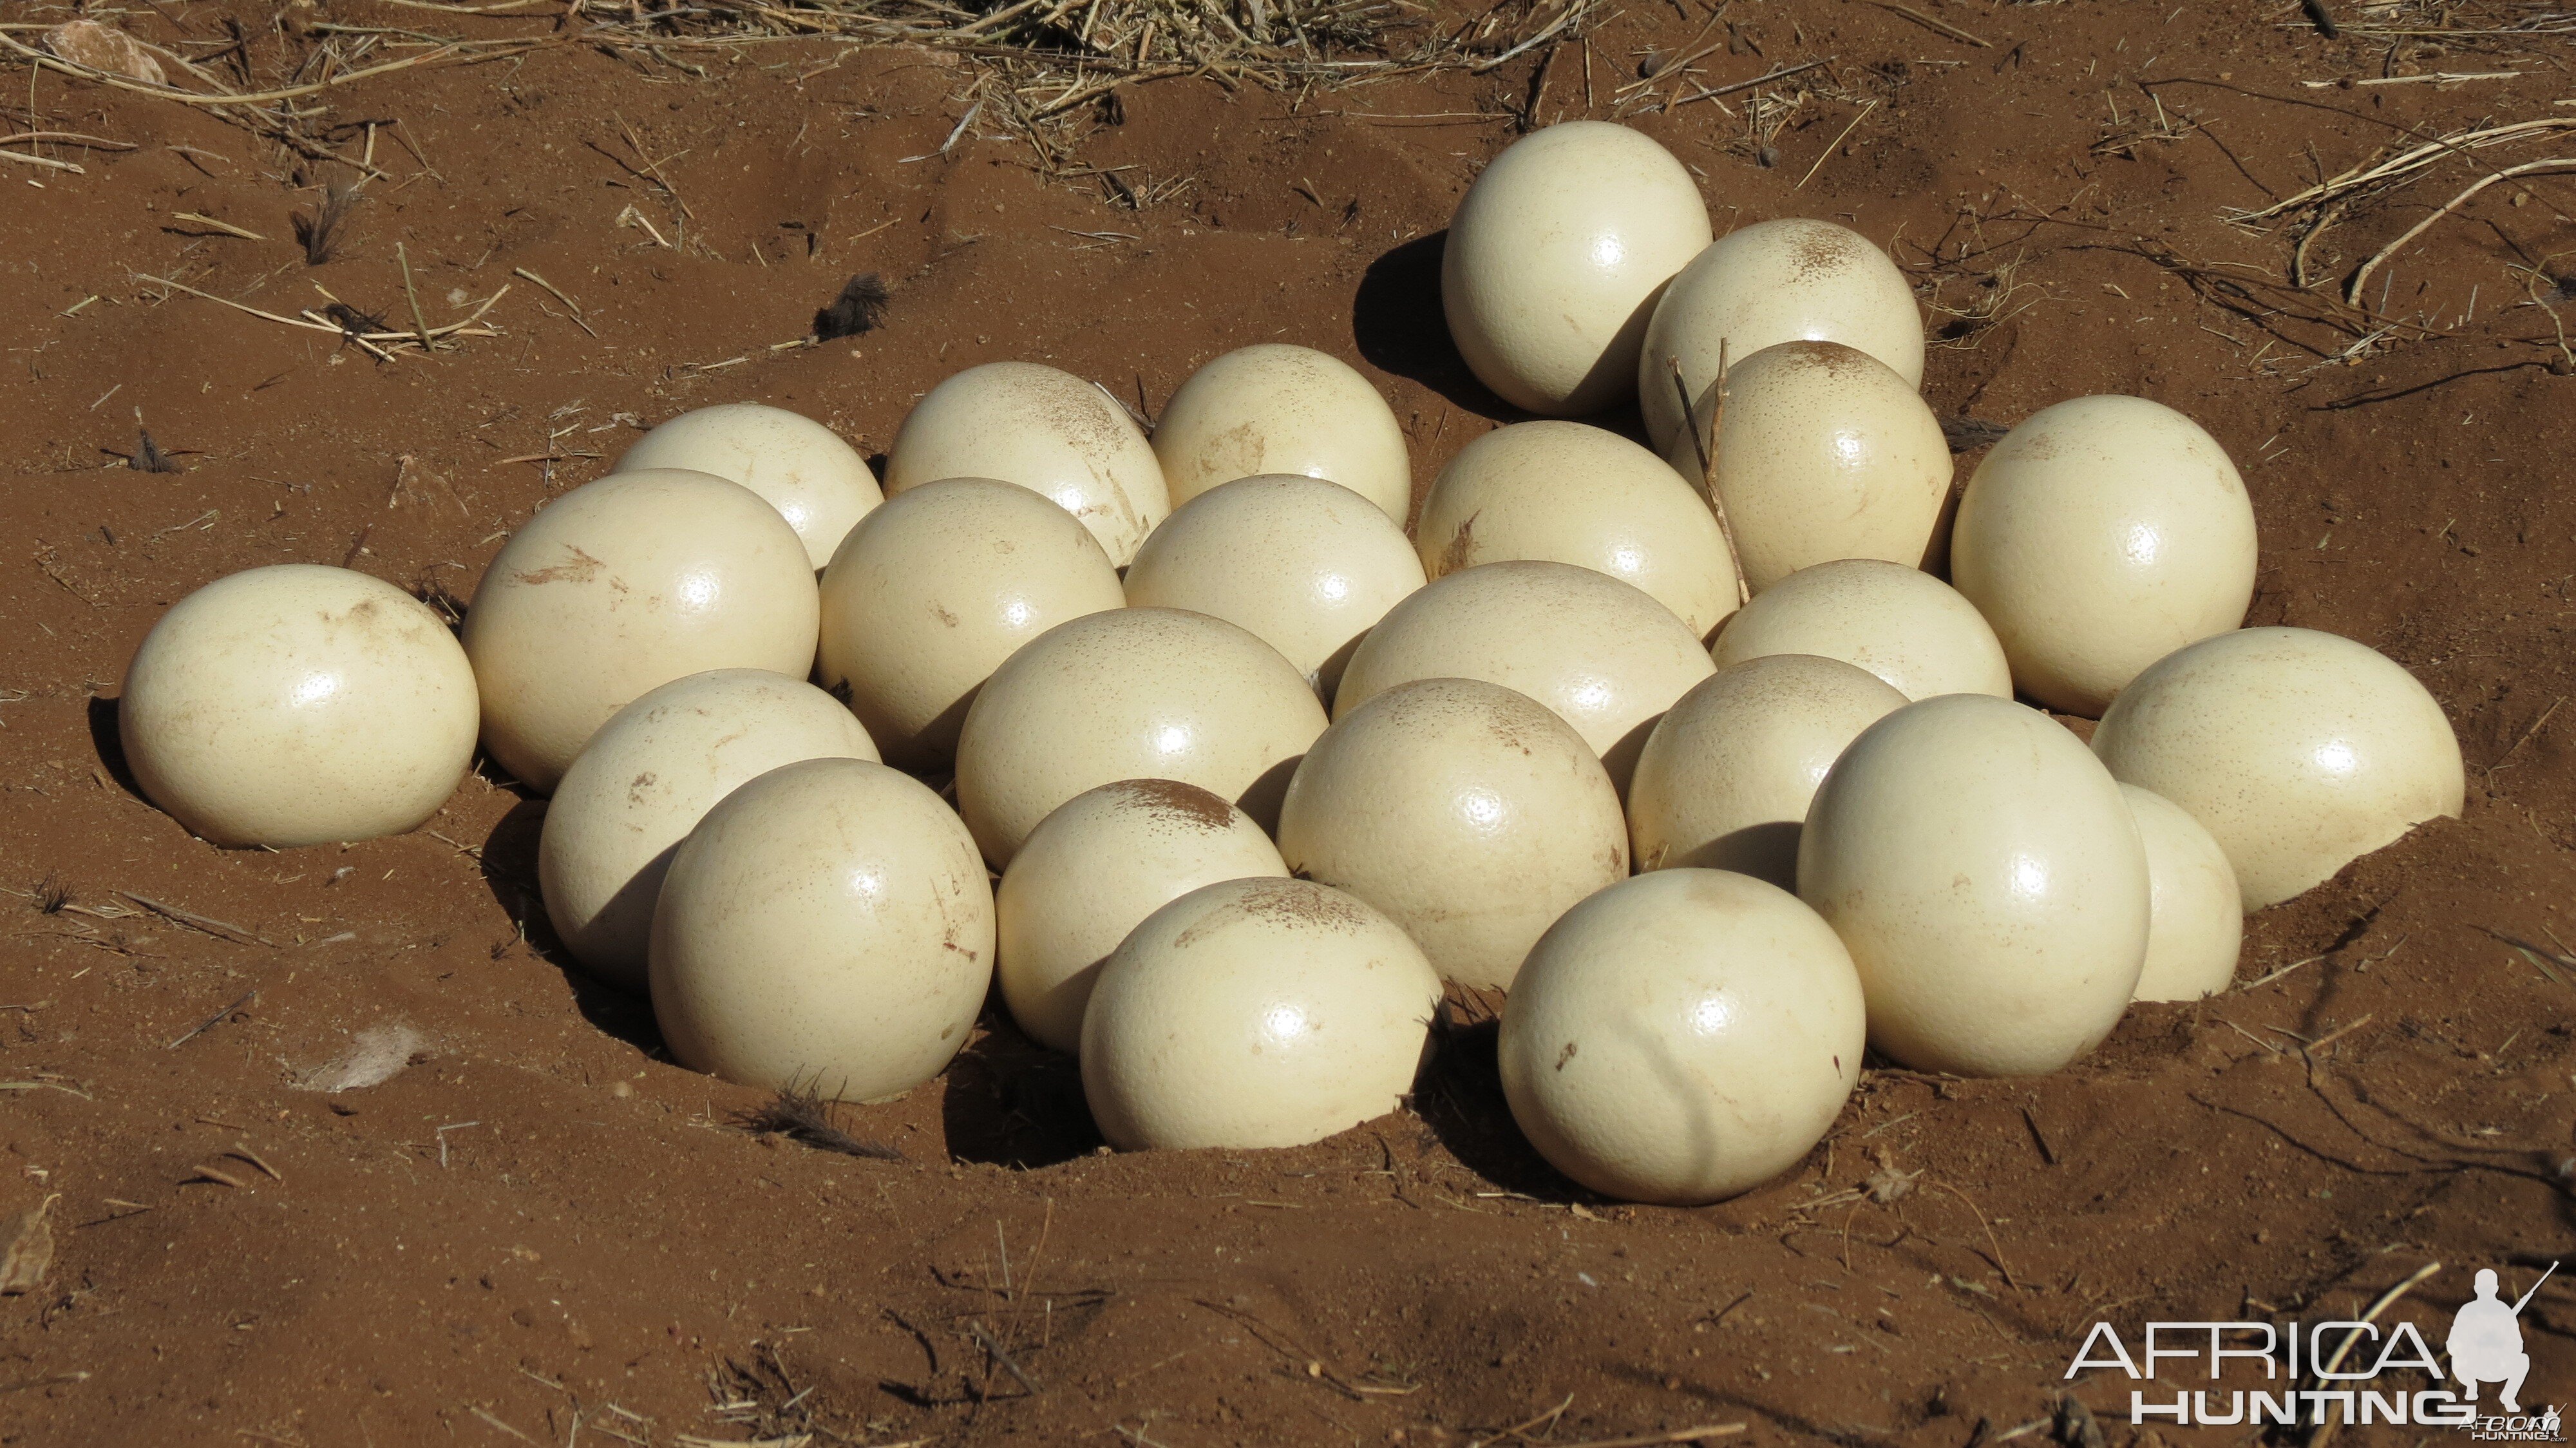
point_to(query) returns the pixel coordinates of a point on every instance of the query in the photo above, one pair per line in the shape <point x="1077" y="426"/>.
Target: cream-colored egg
<point x="1900" y="623"/>
<point x="1726" y="777"/>
<point x="2098" y="537"/>
<point x="1601" y="653"/>
<point x="826" y="925"/>
<point x="1569" y="493"/>
<point x="1276" y="408"/>
<point x="1984" y="872"/>
<point x="817" y="482"/>
<point x="930" y="593"/>
<point x="650" y="773"/>
<point x="1254" y="1013"/>
<point x="1793" y="280"/>
<point x="1307" y="566"/>
<point x="1555" y="258"/>
<point x="298" y="704"/>
<point x="621" y="586"/>
<point x="1134" y="693"/>
<point x="1826" y="453"/>
<point x="2298" y="751"/>
<point x="1682" y="1037"/>
<point x="1046" y="430"/>
<point x="2196" y="926"/>
<point x="1094" y="869"/>
<point x="1470" y="814"/>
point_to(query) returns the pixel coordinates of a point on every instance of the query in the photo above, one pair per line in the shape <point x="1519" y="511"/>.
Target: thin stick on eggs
<point x="1705" y="444"/>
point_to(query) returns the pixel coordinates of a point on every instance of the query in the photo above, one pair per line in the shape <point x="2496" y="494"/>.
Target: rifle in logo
<point x="2486" y="1341"/>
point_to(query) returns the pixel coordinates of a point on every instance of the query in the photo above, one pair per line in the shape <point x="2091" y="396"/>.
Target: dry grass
<point x="1040" y="62"/>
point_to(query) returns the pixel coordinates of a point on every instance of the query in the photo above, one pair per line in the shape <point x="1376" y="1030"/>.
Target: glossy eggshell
<point x="1308" y="566"/>
<point x="1726" y="778"/>
<point x="1094" y="869"/>
<point x="1276" y="408"/>
<point x="817" y="482"/>
<point x="1046" y="430"/>
<point x="2298" y="751"/>
<point x="650" y="773"/>
<point x="2098" y="537"/>
<point x="298" y="704"/>
<point x="1900" y="623"/>
<point x="1555" y="258"/>
<point x="1601" y="653"/>
<point x="2196" y="927"/>
<point x="826" y="926"/>
<point x="1773" y="282"/>
<point x="1568" y="493"/>
<point x="1682" y="1037"/>
<point x="1254" y="1013"/>
<point x="931" y="592"/>
<point x="621" y="586"/>
<point x="1984" y="872"/>
<point x="1470" y="814"/>
<point x="1826" y="453"/>
<point x="1134" y="693"/>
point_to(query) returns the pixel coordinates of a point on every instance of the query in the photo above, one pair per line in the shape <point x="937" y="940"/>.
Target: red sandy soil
<point x="543" y="1229"/>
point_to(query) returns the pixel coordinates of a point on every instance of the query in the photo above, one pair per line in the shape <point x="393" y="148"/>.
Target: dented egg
<point x="1682" y="1037"/>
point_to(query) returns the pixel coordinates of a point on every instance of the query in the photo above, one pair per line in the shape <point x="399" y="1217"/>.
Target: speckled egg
<point x="1470" y="814"/>
<point x="1308" y="566"/>
<point x="1095" y="868"/>
<point x="1134" y="693"/>
<point x="1569" y="493"/>
<point x="1601" y="653"/>
<point x="1254" y="1013"/>
<point x="1046" y="430"/>
<point x="817" y="482"/>
<point x="1795" y="280"/>
<point x="298" y="704"/>
<point x="623" y="585"/>
<point x="647" y="777"/>
<point x="930" y="593"/>
<point x="828" y="927"/>
<point x="1726" y="778"/>
<point x="1276" y="408"/>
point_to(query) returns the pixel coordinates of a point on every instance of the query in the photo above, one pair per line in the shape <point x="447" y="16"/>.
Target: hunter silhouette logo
<point x="2486" y="1341"/>
<point x="2342" y="1370"/>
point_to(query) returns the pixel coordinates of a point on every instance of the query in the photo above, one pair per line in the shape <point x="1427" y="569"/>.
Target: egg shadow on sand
<point x="1459" y="1095"/>
<point x="1398" y="324"/>
<point x="106" y="738"/>
<point x="509" y="862"/>
<point x="1011" y="1102"/>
